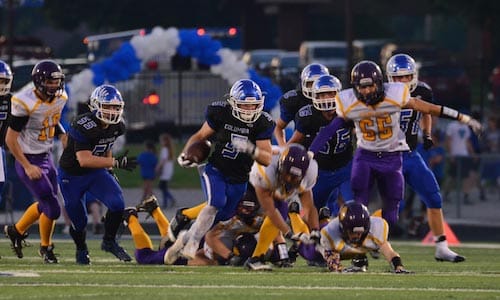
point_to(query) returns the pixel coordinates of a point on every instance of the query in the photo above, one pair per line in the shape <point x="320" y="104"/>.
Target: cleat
<point x="129" y="211"/>
<point x="16" y="239"/>
<point x="112" y="246"/>
<point x="283" y="263"/>
<point x="82" y="257"/>
<point x="293" y="252"/>
<point x="47" y="253"/>
<point x="448" y="255"/>
<point x="324" y="213"/>
<point x="255" y="264"/>
<point x="189" y="250"/>
<point x="148" y="205"/>
<point x="173" y="253"/>
<point x="180" y="222"/>
<point x="294" y="207"/>
<point x="359" y="264"/>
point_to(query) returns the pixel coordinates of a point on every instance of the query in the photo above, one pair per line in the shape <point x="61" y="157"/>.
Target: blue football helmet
<point x="245" y="92"/>
<point x="367" y="73"/>
<point x="354" y="222"/>
<point x="292" y="165"/>
<point x="107" y="104"/>
<point x="47" y="70"/>
<point x="325" y="83"/>
<point x="400" y="65"/>
<point x="310" y="73"/>
<point x="6" y="74"/>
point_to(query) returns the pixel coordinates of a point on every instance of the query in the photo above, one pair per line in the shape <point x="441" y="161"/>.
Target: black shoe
<point x="47" y="253"/>
<point x="294" y="207"/>
<point x="359" y="264"/>
<point x="82" y="257"/>
<point x="293" y="252"/>
<point x="255" y="264"/>
<point x="112" y="246"/>
<point x="16" y="239"/>
<point x="324" y="213"/>
<point x="129" y="211"/>
<point x="179" y="223"/>
<point x="148" y="205"/>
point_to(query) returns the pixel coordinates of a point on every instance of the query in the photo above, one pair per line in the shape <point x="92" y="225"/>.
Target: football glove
<point x="184" y="162"/>
<point x="244" y="146"/>
<point x="428" y="143"/>
<point x="112" y="173"/>
<point x="125" y="162"/>
<point x="333" y="261"/>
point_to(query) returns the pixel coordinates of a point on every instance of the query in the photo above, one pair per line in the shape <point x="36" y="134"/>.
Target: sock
<point x="268" y="232"/>
<point x="441" y="242"/>
<point x="140" y="237"/>
<point x="79" y="237"/>
<point x="298" y="225"/>
<point x="46" y="227"/>
<point x="203" y="223"/>
<point x="161" y="221"/>
<point x="111" y="224"/>
<point x="30" y="216"/>
<point x="193" y="212"/>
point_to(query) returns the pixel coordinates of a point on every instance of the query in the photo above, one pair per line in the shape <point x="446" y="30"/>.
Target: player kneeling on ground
<point x="354" y="232"/>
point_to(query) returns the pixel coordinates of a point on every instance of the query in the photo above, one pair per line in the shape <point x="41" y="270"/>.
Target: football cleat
<point x="189" y="250"/>
<point x="173" y="253"/>
<point x="16" y="239"/>
<point x="294" y="207"/>
<point x="448" y="255"/>
<point x="359" y="264"/>
<point x="177" y="224"/>
<point x="255" y="264"/>
<point x="129" y="211"/>
<point x="148" y="204"/>
<point x="82" y="257"/>
<point x="112" y="246"/>
<point x="47" y="253"/>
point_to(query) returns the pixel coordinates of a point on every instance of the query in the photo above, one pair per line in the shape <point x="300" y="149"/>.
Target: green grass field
<point x="108" y="278"/>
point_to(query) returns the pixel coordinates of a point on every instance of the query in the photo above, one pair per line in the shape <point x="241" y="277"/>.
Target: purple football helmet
<point x="367" y="73"/>
<point x="293" y="164"/>
<point x="354" y="221"/>
<point x="248" y="207"/>
<point x="47" y="70"/>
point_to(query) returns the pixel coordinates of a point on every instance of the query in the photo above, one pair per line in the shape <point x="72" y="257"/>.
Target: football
<point x="198" y="151"/>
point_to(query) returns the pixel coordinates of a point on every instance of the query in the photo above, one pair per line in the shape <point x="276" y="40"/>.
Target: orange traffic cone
<point x="450" y="237"/>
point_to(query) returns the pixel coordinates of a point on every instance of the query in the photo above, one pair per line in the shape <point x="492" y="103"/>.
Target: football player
<point x="355" y="232"/>
<point x="241" y="133"/>
<point x="291" y="173"/>
<point x="293" y="100"/>
<point x="402" y="68"/>
<point x="335" y="159"/>
<point x="5" y="103"/>
<point x="375" y="108"/>
<point x="86" y="166"/>
<point x="35" y="115"/>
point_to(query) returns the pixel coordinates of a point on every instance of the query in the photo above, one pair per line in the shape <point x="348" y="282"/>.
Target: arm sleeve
<point x="325" y="134"/>
<point x="18" y="123"/>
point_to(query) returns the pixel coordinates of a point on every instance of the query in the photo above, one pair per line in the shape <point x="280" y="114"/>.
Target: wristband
<point x="449" y="113"/>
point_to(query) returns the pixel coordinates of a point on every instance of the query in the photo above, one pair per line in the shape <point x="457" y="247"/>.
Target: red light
<point x="151" y="99"/>
<point x="232" y="31"/>
<point x="200" y="31"/>
<point x="142" y="32"/>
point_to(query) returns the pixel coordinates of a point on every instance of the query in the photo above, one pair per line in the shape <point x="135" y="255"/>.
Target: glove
<point x="333" y="261"/>
<point x="124" y="162"/>
<point x="112" y="173"/>
<point x="184" y="162"/>
<point x="244" y="146"/>
<point x="315" y="236"/>
<point x="428" y="143"/>
<point x="475" y="126"/>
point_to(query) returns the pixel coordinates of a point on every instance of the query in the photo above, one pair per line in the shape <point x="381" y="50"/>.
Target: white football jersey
<point x="38" y="134"/>
<point x="267" y="178"/>
<point x="331" y="237"/>
<point x="377" y="127"/>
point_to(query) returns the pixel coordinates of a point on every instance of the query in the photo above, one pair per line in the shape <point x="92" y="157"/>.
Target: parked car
<point x="450" y="84"/>
<point x="260" y="59"/>
<point x="285" y="70"/>
<point x="332" y="54"/>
